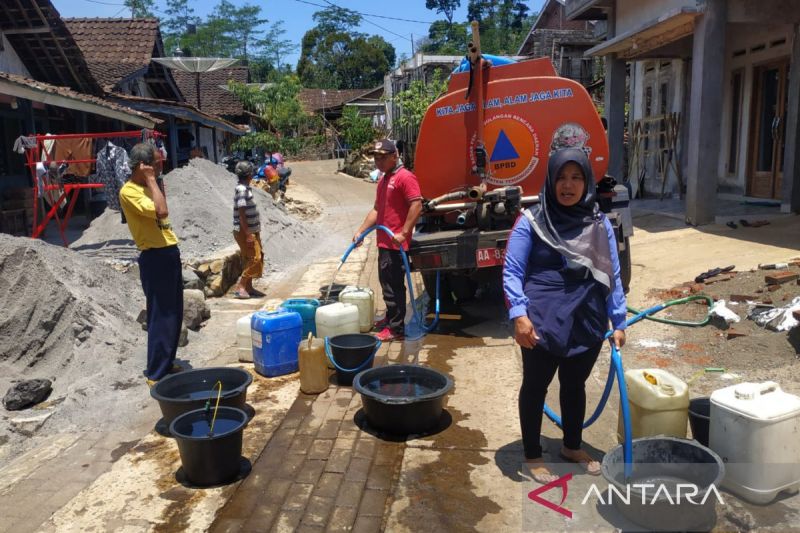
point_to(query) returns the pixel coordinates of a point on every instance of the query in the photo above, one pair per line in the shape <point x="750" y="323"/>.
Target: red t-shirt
<point x="396" y="191"/>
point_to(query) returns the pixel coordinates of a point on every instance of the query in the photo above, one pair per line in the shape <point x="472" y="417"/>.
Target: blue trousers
<point x="160" y="273"/>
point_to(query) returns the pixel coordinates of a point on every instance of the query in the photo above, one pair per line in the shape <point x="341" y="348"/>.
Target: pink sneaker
<point x="387" y="335"/>
<point x="380" y="324"/>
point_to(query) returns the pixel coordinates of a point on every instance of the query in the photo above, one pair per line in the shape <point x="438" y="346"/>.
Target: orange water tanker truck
<point x="481" y="157"/>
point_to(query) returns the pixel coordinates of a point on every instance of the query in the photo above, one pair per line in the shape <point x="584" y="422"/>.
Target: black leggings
<point x="538" y="369"/>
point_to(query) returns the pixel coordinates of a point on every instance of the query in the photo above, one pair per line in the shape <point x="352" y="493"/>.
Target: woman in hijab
<point x="562" y="287"/>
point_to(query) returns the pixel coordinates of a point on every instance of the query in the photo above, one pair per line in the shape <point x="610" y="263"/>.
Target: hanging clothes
<point x="75" y="149"/>
<point x="113" y="172"/>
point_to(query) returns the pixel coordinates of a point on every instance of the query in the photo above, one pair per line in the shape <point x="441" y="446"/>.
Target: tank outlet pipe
<point x="464" y="215"/>
<point x="476" y="193"/>
<point x="529" y="199"/>
<point x="425" y="328"/>
<point x="457" y="195"/>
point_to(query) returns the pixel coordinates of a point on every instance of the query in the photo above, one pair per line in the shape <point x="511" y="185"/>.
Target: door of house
<point x="770" y="82"/>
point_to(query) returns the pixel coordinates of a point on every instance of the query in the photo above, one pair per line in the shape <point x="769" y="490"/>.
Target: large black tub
<point x="210" y="458"/>
<point x="402" y="399"/>
<point x="668" y="466"/>
<point x="189" y="390"/>
<point x="351" y="353"/>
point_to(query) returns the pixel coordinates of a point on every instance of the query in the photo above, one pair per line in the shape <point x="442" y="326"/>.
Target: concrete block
<point x="373" y="503"/>
<point x="318" y="511"/>
<point x="320" y="449"/>
<point x="328" y="484"/>
<point x="338" y="461"/>
<point x="298" y="496"/>
<point x="367" y="524"/>
<point x="342" y="519"/>
<point x="358" y="469"/>
<point x="350" y="494"/>
<point x="311" y="471"/>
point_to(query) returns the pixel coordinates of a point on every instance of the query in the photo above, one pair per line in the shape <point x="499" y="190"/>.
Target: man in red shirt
<point x="398" y="204"/>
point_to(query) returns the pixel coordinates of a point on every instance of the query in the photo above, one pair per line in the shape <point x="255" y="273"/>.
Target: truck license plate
<point x="487" y="257"/>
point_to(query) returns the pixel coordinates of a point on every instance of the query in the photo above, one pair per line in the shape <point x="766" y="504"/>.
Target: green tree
<point x="445" y="39"/>
<point x="416" y="100"/>
<point x="141" y="8"/>
<point x="179" y="15"/>
<point x="357" y="130"/>
<point x="503" y="24"/>
<point x="334" y="56"/>
<point x="284" y="126"/>
<point x="275" y="46"/>
<point x="242" y="25"/>
<point x="445" y="7"/>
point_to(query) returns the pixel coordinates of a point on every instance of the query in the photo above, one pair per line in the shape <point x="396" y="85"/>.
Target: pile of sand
<point x="70" y="319"/>
<point x="200" y="200"/>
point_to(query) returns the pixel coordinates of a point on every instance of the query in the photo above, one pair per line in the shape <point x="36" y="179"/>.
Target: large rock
<point x="195" y="308"/>
<point x="27" y="393"/>
<point x="191" y="280"/>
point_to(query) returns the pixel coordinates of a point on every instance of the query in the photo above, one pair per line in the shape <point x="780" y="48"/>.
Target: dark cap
<point x="384" y="146"/>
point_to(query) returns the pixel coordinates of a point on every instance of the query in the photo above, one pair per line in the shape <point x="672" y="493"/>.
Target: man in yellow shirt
<point x="145" y="206"/>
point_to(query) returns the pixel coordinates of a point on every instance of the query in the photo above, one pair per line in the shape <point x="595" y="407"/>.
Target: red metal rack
<point x="67" y="190"/>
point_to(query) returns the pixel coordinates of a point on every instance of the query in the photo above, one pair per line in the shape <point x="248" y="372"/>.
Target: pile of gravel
<point x="200" y="200"/>
<point x="70" y="319"/>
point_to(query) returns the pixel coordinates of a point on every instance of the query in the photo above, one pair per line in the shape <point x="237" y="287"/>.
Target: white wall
<point x="10" y="61"/>
<point x="631" y="14"/>
<point x="207" y="141"/>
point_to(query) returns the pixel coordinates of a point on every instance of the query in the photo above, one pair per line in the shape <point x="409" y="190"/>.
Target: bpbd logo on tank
<point x="512" y="147"/>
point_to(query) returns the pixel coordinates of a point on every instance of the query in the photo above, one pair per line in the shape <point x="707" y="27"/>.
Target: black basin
<point x="402" y="399"/>
<point x="668" y="462"/>
<point x="336" y="288"/>
<point x="189" y="390"/>
<point x="210" y="458"/>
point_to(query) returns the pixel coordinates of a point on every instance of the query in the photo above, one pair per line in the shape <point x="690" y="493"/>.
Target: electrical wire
<point x="364" y="14"/>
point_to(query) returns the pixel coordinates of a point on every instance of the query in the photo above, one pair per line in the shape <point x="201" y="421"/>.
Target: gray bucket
<point x="668" y="462"/>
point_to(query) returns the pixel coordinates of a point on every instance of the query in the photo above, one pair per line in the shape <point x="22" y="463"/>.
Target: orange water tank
<point x="529" y="111"/>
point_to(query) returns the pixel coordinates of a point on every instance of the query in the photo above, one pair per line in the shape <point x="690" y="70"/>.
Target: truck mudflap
<point x="457" y="249"/>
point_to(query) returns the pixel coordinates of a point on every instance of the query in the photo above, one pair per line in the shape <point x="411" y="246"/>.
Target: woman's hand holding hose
<point x="525" y="333"/>
<point x="619" y="338"/>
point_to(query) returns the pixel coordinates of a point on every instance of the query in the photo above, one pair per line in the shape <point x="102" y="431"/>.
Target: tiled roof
<point x="115" y="49"/>
<point x="213" y="99"/>
<point x="314" y="100"/>
<point x="41" y="40"/>
<point x="169" y="103"/>
<point x="65" y="92"/>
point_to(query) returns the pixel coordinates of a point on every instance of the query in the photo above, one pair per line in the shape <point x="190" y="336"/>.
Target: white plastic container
<point x="755" y="429"/>
<point x="244" y="341"/>
<point x="364" y="299"/>
<point x="659" y="404"/>
<point x="336" y="319"/>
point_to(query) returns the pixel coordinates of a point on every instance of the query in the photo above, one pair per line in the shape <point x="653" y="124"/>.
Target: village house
<point x="45" y="87"/>
<point x="120" y="52"/>
<point x="565" y="42"/>
<point x="714" y="93"/>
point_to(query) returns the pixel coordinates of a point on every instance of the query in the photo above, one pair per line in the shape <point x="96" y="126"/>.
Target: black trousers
<point x="538" y="368"/>
<point x="160" y="273"/>
<point x="391" y="273"/>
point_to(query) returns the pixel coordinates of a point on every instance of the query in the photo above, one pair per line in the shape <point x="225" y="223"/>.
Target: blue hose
<point x="420" y="320"/>
<point x="615" y="370"/>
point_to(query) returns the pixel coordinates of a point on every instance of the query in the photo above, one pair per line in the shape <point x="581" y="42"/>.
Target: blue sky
<point x="296" y="15"/>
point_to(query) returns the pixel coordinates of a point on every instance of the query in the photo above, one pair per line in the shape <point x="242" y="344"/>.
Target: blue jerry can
<point x="276" y="338"/>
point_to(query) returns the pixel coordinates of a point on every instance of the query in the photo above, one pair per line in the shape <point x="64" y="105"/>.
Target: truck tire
<point x="625" y="265"/>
